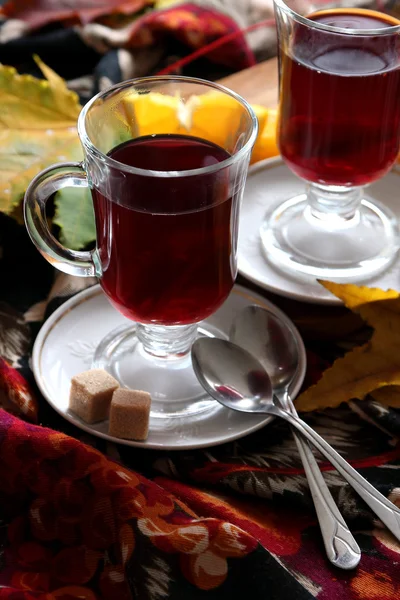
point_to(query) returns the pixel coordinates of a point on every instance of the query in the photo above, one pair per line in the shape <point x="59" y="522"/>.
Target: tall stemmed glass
<point x="339" y="130"/>
<point x="166" y="183"/>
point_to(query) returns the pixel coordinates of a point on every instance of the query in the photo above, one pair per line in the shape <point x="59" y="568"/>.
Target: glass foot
<point x="171" y="381"/>
<point x="294" y="238"/>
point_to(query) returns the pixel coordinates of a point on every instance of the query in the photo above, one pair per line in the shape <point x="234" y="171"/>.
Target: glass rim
<point x="389" y="30"/>
<point x="92" y="149"/>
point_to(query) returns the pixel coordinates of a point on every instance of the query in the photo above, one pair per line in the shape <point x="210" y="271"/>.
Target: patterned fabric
<point x="83" y="518"/>
<point x="112" y="40"/>
<point x="118" y="41"/>
<point x="80" y="523"/>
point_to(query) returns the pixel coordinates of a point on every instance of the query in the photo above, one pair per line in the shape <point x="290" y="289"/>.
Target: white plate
<point x="65" y="346"/>
<point x="270" y="182"/>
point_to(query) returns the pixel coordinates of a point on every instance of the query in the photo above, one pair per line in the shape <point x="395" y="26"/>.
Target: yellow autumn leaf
<point x="373" y="367"/>
<point x="37" y="128"/>
<point x="388" y="396"/>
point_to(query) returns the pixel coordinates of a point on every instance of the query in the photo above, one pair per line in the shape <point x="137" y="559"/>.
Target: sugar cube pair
<point x="96" y="396"/>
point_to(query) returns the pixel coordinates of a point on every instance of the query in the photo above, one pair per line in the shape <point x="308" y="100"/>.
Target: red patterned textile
<point x="83" y="518"/>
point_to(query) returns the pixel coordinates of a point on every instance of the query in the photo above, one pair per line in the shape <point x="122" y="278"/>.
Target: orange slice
<point x="151" y="113"/>
<point x="266" y="144"/>
<point x="218" y="118"/>
<point x="213" y="116"/>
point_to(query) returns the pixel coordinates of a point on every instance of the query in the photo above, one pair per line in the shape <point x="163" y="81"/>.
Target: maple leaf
<point x="37" y="128"/>
<point x="373" y="367"/>
<point x="41" y="12"/>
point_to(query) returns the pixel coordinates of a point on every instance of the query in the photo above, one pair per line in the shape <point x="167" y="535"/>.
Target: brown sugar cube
<point x="129" y="414"/>
<point x="91" y="393"/>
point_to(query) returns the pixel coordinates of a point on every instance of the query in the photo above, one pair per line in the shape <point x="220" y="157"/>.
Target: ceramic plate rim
<point x="95" y="290"/>
<point x="270" y="163"/>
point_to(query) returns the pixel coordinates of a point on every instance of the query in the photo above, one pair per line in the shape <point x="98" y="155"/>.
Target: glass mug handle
<point x="46" y="183"/>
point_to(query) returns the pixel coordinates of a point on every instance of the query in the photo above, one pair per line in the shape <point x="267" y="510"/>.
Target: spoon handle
<point x="341" y="548"/>
<point x="388" y="513"/>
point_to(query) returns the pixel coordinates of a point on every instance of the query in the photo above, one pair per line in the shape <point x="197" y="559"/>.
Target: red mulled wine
<point x="340" y="99"/>
<point x="166" y="243"/>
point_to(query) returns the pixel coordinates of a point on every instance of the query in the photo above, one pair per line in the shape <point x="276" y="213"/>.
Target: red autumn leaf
<point x="38" y="13"/>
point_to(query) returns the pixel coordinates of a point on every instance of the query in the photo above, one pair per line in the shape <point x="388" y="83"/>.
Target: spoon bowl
<point x="232" y="375"/>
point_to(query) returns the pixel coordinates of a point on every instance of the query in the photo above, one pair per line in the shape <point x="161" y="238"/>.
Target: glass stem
<point x="336" y="205"/>
<point x="174" y="341"/>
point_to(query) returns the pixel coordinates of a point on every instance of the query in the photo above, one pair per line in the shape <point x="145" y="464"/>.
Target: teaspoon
<point x="273" y="343"/>
<point x="237" y="380"/>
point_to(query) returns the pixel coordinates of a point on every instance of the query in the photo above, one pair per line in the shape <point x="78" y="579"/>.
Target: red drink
<point x="166" y="244"/>
<point x="340" y="100"/>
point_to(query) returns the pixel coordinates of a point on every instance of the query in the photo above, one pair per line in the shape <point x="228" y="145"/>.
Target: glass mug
<point x="166" y="195"/>
<point x="339" y="130"/>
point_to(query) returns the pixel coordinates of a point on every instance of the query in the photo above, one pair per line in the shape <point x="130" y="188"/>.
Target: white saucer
<point x="66" y="344"/>
<point x="270" y="182"/>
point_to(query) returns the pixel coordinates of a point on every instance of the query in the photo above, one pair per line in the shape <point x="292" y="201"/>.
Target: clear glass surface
<point x="166" y="160"/>
<point x="339" y="131"/>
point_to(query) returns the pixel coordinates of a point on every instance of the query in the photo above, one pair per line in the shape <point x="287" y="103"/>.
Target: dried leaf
<point x="374" y="367"/>
<point x="37" y="128"/>
<point x="41" y="12"/>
